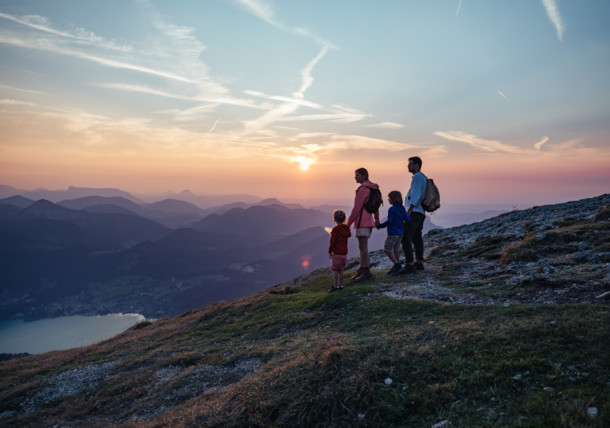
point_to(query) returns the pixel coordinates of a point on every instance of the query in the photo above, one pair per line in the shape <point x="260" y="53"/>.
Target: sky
<point x="505" y="101"/>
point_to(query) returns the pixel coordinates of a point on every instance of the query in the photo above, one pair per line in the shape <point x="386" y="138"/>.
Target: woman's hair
<point x="339" y="216"/>
<point x="363" y="171"/>
<point x="396" y="197"/>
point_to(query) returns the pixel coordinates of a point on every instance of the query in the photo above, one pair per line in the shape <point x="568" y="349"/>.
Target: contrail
<point x="457" y="12"/>
<point x="502" y="95"/>
<point x="553" y="13"/>
<point x="214" y="126"/>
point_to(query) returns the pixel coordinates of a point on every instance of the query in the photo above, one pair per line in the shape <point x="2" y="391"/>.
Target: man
<point x="412" y="236"/>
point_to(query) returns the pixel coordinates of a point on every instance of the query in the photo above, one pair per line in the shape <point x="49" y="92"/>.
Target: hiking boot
<point x="407" y="269"/>
<point x="366" y="274"/>
<point x="357" y="274"/>
<point x="394" y="269"/>
<point x="333" y="289"/>
<point x="419" y="266"/>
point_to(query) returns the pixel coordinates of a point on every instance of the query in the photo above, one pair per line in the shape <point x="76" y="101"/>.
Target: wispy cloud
<point x="386" y="125"/>
<point x="261" y="9"/>
<point x="306" y="74"/>
<point x="540" y="143"/>
<point x="573" y="148"/>
<point x="26" y="91"/>
<point x="176" y="58"/>
<point x="181" y="74"/>
<point x="299" y="101"/>
<point x="502" y="95"/>
<point x="478" y="143"/>
<point x="286" y="110"/>
<point x="10" y="102"/>
<point x="42" y="24"/>
<point x="459" y="7"/>
<point x="553" y="13"/>
<point x="492" y="146"/>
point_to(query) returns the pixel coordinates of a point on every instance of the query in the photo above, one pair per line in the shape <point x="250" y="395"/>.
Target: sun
<point x="304" y="162"/>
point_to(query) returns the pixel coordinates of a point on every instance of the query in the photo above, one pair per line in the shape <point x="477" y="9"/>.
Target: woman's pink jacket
<point x="362" y="194"/>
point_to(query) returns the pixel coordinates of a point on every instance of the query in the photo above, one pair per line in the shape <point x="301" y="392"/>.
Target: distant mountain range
<point x="114" y="253"/>
<point x="202" y="201"/>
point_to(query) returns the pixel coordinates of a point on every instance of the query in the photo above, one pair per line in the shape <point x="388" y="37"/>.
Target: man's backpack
<point x="374" y="201"/>
<point x="432" y="198"/>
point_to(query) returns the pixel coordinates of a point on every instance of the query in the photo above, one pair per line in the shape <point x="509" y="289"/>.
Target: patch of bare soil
<point x="425" y="286"/>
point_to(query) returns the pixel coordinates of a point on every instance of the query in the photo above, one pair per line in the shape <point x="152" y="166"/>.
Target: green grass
<point x="325" y="358"/>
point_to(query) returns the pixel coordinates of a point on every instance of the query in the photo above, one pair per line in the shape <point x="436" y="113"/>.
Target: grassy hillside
<point x="389" y="352"/>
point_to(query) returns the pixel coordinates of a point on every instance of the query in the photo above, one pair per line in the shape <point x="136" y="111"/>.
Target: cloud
<point x="459" y="7"/>
<point x="553" y="13"/>
<point x="478" y="143"/>
<point x="27" y="91"/>
<point x="502" y="95"/>
<point x="574" y="147"/>
<point x="492" y="146"/>
<point x="386" y="125"/>
<point x="284" y="111"/>
<point x="540" y="143"/>
<point x="260" y="9"/>
<point x="306" y="74"/>
<point x="41" y="23"/>
<point x="10" y="102"/>
<point x="299" y="101"/>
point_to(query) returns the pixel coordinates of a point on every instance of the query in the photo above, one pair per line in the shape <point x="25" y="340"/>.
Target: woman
<point x="363" y="222"/>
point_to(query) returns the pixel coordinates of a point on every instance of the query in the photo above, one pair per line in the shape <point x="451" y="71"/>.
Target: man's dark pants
<point x="412" y="237"/>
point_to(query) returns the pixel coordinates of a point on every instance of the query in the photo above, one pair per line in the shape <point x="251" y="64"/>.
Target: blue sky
<point x="504" y="100"/>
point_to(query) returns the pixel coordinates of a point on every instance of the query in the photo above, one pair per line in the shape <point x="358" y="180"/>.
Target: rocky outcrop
<point x="544" y="255"/>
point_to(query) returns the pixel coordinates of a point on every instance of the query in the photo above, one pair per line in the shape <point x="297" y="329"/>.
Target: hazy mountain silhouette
<point x="109" y="209"/>
<point x="208" y="201"/>
<point x="175" y="206"/>
<point x="274" y="201"/>
<point x="169" y="212"/>
<point x="8" y="191"/>
<point x="17" y="201"/>
<point x="262" y="224"/>
<point x="123" y="229"/>
<point x="76" y="192"/>
<point x="88" y="201"/>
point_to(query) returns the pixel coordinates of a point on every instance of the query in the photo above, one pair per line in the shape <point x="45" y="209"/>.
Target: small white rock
<point x="440" y="424"/>
<point x="592" y="411"/>
<point x="388" y="381"/>
<point x="361" y="416"/>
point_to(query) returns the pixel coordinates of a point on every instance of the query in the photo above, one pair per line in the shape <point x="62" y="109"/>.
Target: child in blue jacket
<point x="396" y="216"/>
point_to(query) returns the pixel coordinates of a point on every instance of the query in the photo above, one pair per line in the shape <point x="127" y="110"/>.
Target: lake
<point x="55" y="334"/>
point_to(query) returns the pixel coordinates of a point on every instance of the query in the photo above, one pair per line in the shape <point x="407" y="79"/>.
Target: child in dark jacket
<point x="396" y="216"/>
<point x="337" y="249"/>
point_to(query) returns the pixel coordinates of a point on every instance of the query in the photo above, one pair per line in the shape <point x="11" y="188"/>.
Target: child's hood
<point x="342" y="229"/>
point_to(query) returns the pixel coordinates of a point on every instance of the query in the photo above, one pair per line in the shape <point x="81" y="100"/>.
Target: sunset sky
<point x="505" y="101"/>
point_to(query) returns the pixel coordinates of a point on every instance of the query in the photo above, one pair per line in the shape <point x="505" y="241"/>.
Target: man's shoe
<point x="394" y="269"/>
<point x="407" y="269"/>
<point x="357" y="274"/>
<point x="333" y="289"/>
<point x="366" y="274"/>
<point x="419" y="266"/>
